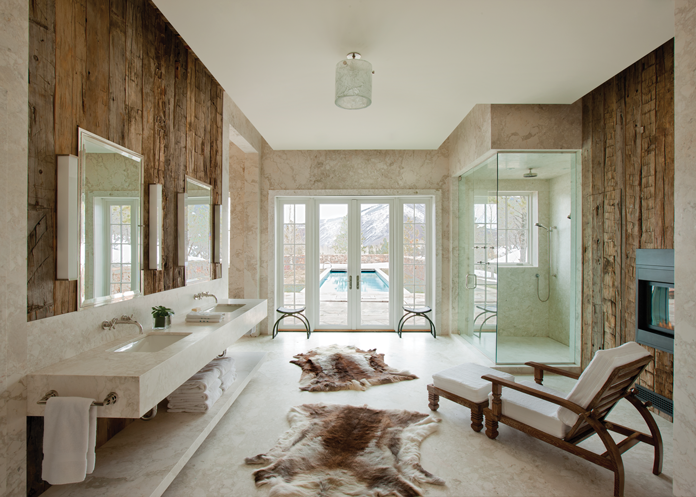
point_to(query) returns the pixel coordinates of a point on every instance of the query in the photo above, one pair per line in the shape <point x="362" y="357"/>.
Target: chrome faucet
<point x="110" y="325"/>
<point x="199" y="296"/>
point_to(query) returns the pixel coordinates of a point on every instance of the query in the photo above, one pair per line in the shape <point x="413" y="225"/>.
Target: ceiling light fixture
<point x="353" y="83"/>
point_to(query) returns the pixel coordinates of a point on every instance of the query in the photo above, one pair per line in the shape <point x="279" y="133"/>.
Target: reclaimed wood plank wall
<point x="628" y="200"/>
<point x="118" y="69"/>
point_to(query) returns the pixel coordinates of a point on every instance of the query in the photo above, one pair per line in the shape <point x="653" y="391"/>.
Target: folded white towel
<point x="229" y="378"/>
<point x="221" y="366"/>
<point x="196" y="406"/>
<point x="70" y="434"/>
<point x="186" y="393"/>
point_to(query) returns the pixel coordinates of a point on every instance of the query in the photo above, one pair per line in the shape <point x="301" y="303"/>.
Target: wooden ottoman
<point x="463" y="384"/>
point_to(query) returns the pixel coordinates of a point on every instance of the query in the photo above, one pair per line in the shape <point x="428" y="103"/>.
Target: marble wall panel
<point x="237" y="225"/>
<point x="471" y="140"/>
<point x="536" y="127"/>
<point x="685" y="240"/>
<point x="351" y="172"/>
<point x="14" y="112"/>
<point x="520" y="312"/>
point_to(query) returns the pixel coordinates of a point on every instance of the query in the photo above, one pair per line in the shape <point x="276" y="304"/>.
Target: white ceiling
<point x="433" y="60"/>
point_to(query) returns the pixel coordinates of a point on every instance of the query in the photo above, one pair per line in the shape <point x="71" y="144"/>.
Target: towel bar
<point x="108" y="400"/>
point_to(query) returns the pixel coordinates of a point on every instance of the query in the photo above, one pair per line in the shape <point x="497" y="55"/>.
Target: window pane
<point x="492" y="211"/>
<point x="115" y="272"/>
<point x="479" y="213"/>
<point x="126" y="214"/>
<point x="300" y="213"/>
<point x="115" y="253"/>
<point x="518" y="212"/>
<point x="300" y="233"/>
<point x="288" y="213"/>
<point x="288" y="252"/>
<point x="409" y="213"/>
<point x="116" y="233"/>
<point x="409" y="235"/>
<point x="516" y="247"/>
<point x="126" y="233"/>
<point x="115" y="288"/>
<point x="115" y="214"/>
<point x="126" y="275"/>
<point x="289" y="233"/>
<point x="479" y="234"/>
<point x="126" y="253"/>
<point x="299" y="277"/>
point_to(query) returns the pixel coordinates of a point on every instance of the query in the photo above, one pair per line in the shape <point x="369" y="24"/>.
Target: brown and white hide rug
<point x="337" y="450"/>
<point x="338" y="367"/>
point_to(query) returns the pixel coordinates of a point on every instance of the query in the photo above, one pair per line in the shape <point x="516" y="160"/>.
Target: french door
<point x="354" y="262"/>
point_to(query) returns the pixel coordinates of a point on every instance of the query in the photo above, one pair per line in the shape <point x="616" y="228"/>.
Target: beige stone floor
<point x="471" y="464"/>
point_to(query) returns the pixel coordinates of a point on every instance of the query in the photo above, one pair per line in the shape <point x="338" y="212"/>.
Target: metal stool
<point x="295" y="313"/>
<point x="412" y="313"/>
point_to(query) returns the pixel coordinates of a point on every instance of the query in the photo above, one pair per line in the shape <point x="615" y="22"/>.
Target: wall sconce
<point x="217" y="235"/>
<point x="181" y="229"/>
<point x="155" y="226"/>
<point x="67" y="236"/>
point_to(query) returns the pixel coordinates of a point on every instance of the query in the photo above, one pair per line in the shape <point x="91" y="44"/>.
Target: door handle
<point x="350" y="282"/>
<point x="466" y="281"/>
<point x="357" y="282"/>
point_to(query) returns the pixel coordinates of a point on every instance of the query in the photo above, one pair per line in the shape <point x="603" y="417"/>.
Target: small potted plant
<point x="162" y="316"/>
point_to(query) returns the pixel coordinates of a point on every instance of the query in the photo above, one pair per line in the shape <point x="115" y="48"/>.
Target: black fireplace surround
<point x="655" y="298"/>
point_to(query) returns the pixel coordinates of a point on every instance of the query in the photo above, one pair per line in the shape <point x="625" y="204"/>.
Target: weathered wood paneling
<point x="628" y="200"/>
<point x="118" y="69"/>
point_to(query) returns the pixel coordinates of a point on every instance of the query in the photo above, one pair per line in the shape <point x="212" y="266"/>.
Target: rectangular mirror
<point x="198" y="230"/>
<point x="110" y="191"/>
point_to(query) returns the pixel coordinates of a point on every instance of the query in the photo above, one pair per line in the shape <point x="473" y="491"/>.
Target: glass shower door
<point x="479" y="254"/>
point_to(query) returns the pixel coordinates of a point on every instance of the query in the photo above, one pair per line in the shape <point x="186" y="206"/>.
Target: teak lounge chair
<point x="565" y="421"/>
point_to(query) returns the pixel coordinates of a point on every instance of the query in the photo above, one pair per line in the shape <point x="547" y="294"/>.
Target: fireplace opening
<point x="655" y="298"/>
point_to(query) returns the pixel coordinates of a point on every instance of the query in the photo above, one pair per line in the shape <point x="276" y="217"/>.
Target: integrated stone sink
<point x="151" y="343"/>
<point x="225" y="307"/>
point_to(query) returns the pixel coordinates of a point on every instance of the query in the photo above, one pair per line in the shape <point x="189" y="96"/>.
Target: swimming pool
<point x="370" y="281"/>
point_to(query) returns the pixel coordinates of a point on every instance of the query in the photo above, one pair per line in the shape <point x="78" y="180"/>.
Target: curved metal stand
<point x="411" y="314"/>
<point x="149" y="414"/>
<point x="297" y="315"/>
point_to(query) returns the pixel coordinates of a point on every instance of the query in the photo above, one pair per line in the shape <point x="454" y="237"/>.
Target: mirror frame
<point x="182" y="228"/>
<point x="84" y="135"/>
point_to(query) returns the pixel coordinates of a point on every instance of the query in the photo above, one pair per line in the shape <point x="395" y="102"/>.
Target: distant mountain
<point x="374" y="225"/>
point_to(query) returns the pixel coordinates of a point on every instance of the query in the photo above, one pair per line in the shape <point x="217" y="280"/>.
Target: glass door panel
<point x="334" y="278"/>
<point x="414" y="261"/>
<point x="373" y="283"/>
<point x="478" y="256"/>
<point x="294" y="265"/>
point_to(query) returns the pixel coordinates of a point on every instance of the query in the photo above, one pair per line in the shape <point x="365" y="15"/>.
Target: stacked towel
<point x="202" y="390"/>
<point x="205" y="317"/>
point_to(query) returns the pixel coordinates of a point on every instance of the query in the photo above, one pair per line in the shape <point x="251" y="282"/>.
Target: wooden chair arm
<point x="535" y="393"/>
<point x="551" y="369"/>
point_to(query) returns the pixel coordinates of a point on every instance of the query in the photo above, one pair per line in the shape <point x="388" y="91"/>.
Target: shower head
<point x="538" y="225"/>
<point x="530" y="174"/>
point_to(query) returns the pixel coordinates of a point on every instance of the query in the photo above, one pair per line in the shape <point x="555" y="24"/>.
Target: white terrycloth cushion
<point x="465" y="381"/>
<point x="532" y="411"/>
<point x="597" y="373"/>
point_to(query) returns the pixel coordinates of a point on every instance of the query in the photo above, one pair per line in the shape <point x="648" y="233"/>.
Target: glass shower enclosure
<point x="518" y="246"/>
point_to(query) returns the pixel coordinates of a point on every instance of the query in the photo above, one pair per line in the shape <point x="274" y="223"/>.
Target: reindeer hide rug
<point x="336" y="367"/>
<point x="338" y="450"/>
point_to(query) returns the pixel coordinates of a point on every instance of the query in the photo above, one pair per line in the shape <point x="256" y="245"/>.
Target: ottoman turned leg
<point x="477" y="418"/>
<point x="433" y="400"/>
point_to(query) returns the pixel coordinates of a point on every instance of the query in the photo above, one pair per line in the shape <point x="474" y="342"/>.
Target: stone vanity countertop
<point x="142" y="379"/>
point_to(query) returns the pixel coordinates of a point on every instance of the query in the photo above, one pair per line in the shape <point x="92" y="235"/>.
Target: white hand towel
<point x="229" y="378"/>
<point x="70" y="433"/>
